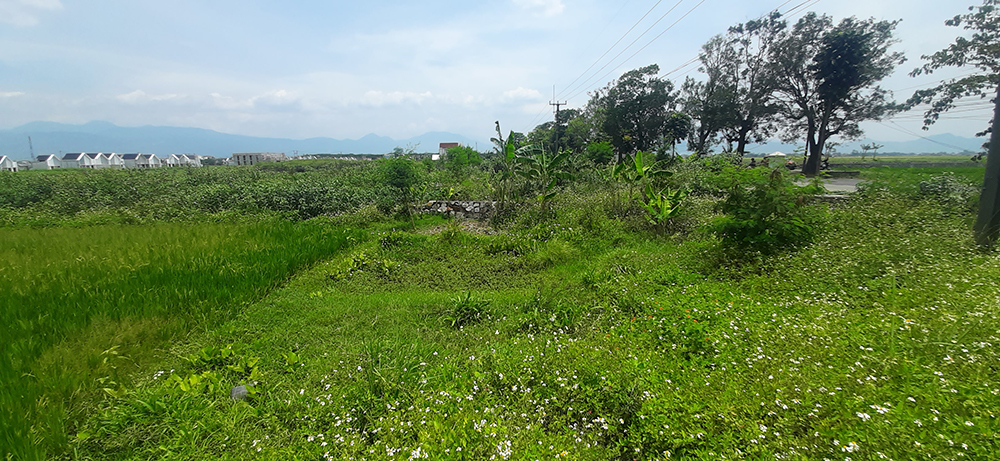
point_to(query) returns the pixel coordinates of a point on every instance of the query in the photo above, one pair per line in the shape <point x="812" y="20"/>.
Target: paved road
<point x="836" y="185"/>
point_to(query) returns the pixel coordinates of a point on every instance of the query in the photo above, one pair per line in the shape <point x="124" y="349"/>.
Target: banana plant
<point x="640" y="170"/>
<point x="544" y="171"/>
<point x="508" y="150"/>
<point x="661" y="206"/>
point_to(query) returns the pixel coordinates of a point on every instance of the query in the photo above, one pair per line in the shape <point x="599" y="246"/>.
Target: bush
<point x="600" y="153"/>
<point x="764" y="211"/>
<point x="950" y="191"/>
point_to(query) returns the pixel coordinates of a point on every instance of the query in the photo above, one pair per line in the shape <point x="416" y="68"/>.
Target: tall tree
<point x="676" y="130"/>
<point x="740" y="62"/>
<point x="827" y="79"/>
<point x="568" y="135"/>
<point x="981" y="51"/>
<point x="634" y="109"/>
<point x="707" y="103"/>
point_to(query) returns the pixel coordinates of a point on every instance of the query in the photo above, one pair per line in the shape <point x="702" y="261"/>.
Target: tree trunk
<point x="741" y="145"/>
<point x="814" y="150"/>
<point x="987" y="225"/>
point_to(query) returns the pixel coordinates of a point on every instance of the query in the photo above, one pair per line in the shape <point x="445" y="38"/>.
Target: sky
<point x="340" y="69"/>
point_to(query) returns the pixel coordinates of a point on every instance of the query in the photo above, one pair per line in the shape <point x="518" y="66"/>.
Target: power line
<point x="646" y="45"/>
<point x="934" y="83"/>
<point x="904" y="130"/>
<point x="613" y="46"/>
<point x="791" y="12"/>
<point x="626" y="47"/>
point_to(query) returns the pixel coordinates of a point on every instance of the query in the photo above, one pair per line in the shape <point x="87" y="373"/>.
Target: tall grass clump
<point x="166" y="278"/>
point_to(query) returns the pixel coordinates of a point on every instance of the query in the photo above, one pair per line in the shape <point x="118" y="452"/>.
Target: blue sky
<point x="345" y="69"/>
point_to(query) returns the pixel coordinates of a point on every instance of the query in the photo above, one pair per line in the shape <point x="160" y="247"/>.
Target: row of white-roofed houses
<point x="99" y="160"/>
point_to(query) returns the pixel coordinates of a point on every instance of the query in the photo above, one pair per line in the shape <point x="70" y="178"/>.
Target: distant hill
<point x="53" y="138"/>
<point x="939" y="143"/>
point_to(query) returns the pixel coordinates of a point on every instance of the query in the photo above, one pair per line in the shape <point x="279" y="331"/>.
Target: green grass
<point x="81" y="309"/>
<point x="575" y="331"/>
<point x="892" y="159"/>
<point x="878" y="339"/>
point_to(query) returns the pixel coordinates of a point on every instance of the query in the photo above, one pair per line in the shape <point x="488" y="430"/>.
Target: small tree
<point x="871" y="147"/>
<point x="401" y="176"/>
<point x="458" y="159"/>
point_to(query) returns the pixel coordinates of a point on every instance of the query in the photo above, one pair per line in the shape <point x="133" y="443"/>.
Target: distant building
<point x="93" y="160"/>
<point x="46" y="162"/>
<point x="6" y="164"/>
<point x="147" y="161"/>
<point x="250" y="158"/>
<point x="72" y="160"/>
<point x="130" y="160"/>
<point x="443" y="147"/>
<point x="173" y="160"/>
<point x="114" y="160"/>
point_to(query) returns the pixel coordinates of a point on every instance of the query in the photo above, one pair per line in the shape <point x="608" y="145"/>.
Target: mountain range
<point x="55" y="138"/>
<point x="939" y="143"/>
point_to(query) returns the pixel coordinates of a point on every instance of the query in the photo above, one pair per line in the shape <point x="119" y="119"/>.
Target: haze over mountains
<point x="53" y="138"/>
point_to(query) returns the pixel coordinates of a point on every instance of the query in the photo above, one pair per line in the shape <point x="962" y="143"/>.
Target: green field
<point x="572" y="329"/>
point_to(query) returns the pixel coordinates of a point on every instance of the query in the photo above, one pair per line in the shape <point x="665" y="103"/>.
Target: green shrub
<point x="950" y="191"/>
<point x="764" y="211"/>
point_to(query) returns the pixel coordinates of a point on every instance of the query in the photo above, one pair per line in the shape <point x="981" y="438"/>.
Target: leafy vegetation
<point x="589" y="331"/>
<point x="643" y="307"/>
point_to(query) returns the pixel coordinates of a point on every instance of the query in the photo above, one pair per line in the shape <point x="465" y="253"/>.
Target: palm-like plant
<point x="543" y="171"/>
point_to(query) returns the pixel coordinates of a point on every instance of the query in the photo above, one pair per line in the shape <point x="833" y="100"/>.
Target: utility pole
<point x="555" y="126"/>
<point x="31" y="149"/>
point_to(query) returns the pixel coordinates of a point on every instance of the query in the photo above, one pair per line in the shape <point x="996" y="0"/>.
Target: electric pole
<point x="555" y="126"/>
<point x="31" y="149"/>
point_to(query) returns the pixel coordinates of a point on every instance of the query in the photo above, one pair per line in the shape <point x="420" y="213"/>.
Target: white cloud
<point x="380" y="98"/>
<point x="138" y="96"/>
<point x="229" y="102"/>
<point x="544" y="7"/>
<point x="522" y="93"/>
<point x="25" y="13"/>
<point x="10" y="94"/>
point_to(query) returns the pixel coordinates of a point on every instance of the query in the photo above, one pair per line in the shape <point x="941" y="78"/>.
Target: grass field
<point x="891" y="159"/>
<point x="573" y="330"/>
<point x="83" y="308"/>
<point x="877" y="340"/>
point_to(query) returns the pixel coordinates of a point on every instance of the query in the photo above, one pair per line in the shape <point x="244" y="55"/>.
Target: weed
<point x="465" y="310"/>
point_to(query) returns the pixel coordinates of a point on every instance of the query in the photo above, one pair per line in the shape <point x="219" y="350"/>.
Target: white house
<point x="93" y="160"/>
<point x="250" y="158"/>
<point x="175" y="160"/>
<point x="46" y="162"/>
<point x="72" y="160"/>
<point x="147" y="161"/>
<point x="130" y="160"/>
<point x="6" y="164"/>
<point x="114" y="160"/>
<point x="182" y="160"/>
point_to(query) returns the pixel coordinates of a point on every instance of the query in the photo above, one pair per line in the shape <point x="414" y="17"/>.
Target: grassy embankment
<point x="585" y="335"/>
